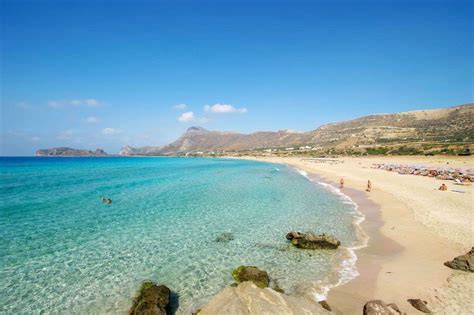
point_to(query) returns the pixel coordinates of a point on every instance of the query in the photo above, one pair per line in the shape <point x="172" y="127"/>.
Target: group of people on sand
<point x="443" y="186"/>
<point x="369" y="185"/>
<point x="106" y="200"/>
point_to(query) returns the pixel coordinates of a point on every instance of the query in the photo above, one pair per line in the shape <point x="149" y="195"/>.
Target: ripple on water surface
<point x="63" y="250"/>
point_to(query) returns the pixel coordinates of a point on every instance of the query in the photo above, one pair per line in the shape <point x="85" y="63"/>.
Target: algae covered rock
<point x="251" y="273"/>
<point x="224" y="237"/>
<point x="313" y="241"/>
<point x="463" y="262"/>
<point x="151" y="299"/>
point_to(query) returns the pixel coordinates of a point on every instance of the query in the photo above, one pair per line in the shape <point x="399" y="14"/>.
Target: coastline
<point x="405" y="252"/>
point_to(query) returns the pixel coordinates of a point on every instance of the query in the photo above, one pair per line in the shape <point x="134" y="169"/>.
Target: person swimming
<point x="102" y="199"/>
<point x="109" y="201"/>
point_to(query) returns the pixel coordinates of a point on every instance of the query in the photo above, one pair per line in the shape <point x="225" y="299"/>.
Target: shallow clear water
<point x="62" y="250"/>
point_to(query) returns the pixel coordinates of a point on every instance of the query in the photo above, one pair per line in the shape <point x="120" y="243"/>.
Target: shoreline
<point x="354" y="198"/>
<point x="404" y="255"/>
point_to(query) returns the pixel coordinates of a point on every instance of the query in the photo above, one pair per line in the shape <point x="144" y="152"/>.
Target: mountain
<point x="428" y="127"/>
<point x="65" y="151"/>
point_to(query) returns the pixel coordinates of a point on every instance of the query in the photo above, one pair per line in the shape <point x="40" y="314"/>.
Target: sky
<point x="104" y="74"/>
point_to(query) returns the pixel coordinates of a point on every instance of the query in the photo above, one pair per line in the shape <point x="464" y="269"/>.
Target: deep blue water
<point x="64" y="251"/>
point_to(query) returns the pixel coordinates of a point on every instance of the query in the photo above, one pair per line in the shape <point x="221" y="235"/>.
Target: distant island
<point x="446" y="131"/>
<point x="70" y="152"/>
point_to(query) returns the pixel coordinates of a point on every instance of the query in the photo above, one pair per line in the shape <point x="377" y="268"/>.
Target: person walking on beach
<point x="369" y="186"/>
<point x="341" y="183"/>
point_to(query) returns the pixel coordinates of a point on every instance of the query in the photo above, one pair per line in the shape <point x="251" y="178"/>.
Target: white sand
<point x="415" y="230"/>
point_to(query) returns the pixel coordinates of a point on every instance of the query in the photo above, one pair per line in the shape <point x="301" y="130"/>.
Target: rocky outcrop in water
<point x="419" y="305"/>
<point x="378" y="307"/>
<point x="248" y="299"/>
<point x="313" y="241"/>
<point x="463" y="262"/>
<point x="224" y="237"/>
<point x="151" y="299"/>
<point x="253" y="274"/>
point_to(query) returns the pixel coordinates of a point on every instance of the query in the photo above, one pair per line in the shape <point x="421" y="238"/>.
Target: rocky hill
<point x="65" y="151"/>
<point x="447" y="125"/>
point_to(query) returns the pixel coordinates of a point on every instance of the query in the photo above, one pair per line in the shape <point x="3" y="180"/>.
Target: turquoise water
<point x="63" y="251"/>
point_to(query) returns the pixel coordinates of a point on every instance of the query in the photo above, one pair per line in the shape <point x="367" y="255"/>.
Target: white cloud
<point x="91" y="120"/>
<point x="224" y="108"/>
<point x="110" y="131"/>
<point x="54" y="104"/>
<point x="90" y="102"/>
<point x="75" y="102"/>
<point x="23" y="105"/>
<point x="35" y="138"/>
<point x="186" y="117"/>
<point x="180" y="106"/>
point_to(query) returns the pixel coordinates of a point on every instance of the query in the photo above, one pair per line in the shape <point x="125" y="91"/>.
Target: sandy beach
<point x="413" y="229"/>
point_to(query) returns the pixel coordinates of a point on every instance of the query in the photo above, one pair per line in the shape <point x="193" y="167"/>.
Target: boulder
<point x="224" y="237"/>
<point x="378" y="307"/>
<point x="463" y="262"/>
<point x="248" y="299"/>
<point x="151" y="299"/>
<point x="313" y="241"/>
<point x="419" y="305"/>
<point x="251" y="273"/>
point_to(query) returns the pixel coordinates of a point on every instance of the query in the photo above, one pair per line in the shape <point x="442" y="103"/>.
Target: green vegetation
<point x="377" y="151"/>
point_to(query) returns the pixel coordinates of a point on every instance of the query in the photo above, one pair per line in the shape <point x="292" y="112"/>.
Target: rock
<point x="325" y="305"/>
<point x="394" y="307"/>
<point x="248" y="299"/>
<point x="313" y="241"/>
<point x="463" y="262"/>
<point x="378" y="307"/>
<point x="225" y="237"/>
<point x="151" y="299"/>
<point x="419" y="305"/>
<point x="251" y="273"/>
<point x="276" y="286"/>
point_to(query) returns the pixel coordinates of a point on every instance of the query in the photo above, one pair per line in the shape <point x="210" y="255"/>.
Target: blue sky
<point x="110" y="73"/>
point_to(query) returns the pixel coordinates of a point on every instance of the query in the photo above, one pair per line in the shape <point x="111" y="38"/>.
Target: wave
<point x="348" y="269"/>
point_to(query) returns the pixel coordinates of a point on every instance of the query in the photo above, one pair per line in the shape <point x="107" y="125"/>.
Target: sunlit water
<point x="63" y="251"/>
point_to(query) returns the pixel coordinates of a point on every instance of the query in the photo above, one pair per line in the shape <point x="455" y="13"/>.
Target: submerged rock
<point x="419" y="305"/>
<point x="248" y="299"/>
<point x="251" y="273"/>
<point x="151" y="299"/>
<point x="463" y="262"/>
<point x="225" y="237"/>
<point x="313" y="241"/>
<point x="378" y="307"/>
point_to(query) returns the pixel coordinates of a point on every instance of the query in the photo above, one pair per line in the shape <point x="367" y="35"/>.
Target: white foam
<point x="348" y="270"/>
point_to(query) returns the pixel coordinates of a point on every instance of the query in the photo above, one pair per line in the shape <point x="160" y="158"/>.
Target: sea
<point x="64" y="251"/>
